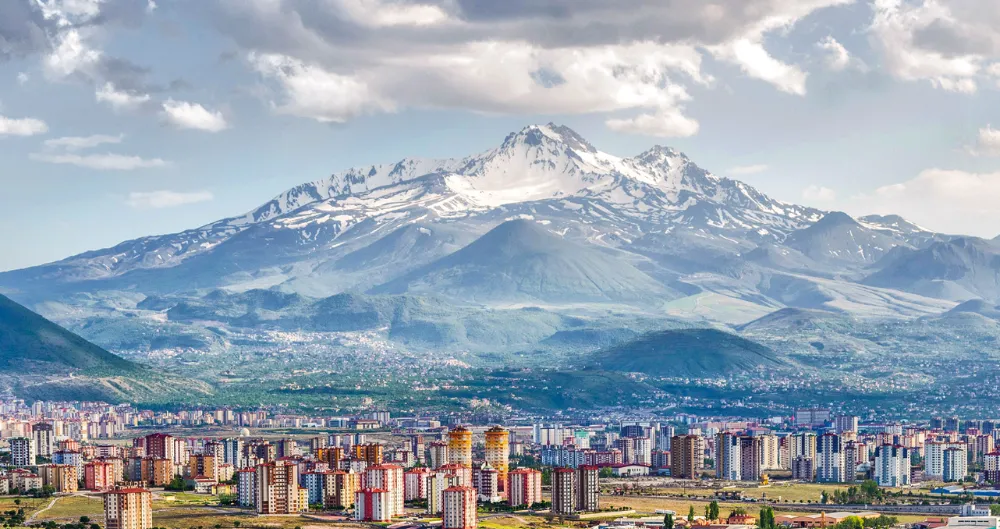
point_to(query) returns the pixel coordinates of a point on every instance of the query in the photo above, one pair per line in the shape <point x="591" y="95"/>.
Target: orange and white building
<point x="390" y="479"/>
<point x="128" y="509"/>
<point x="62" y="478"/>
<point x="524" y="487"/>
<point x="278" y="489"/>
<point x="459" y="508"/>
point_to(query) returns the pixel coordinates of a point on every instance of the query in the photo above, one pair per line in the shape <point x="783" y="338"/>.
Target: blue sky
<point x="126" y="118"/>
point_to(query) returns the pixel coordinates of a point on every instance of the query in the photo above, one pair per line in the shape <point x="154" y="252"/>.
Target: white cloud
<point x="185" y="115"/>
<point x="987" y="142"/>
<point x="379" y="13"/>
<point x="748" y="51"/>
<point x="667" y="124"/>
<point x="949" y="201"/>
<point x="945" y="43"/>
<point x="119" y="99"/>
<point x="309" y="91"/>
<point x="22" y="126"/>
<point x="501" y="77"/>
<point x="756" y="62"/>
<point x="815" y="193"/>
<point x="747" y="169"/>
<point x="103" y="162"/>
<point x="22" y="78"/>
<point x="70" y="54"/>
<point x="74" y="143"/>
<point x="166" y="199"/>
<point x="837" y="56"/>
<point x="356" y="57"/>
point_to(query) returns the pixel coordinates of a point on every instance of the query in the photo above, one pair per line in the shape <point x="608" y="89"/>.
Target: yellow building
<point x="498" y="452"/>
<point x="203" y="465"/>
<point x="62" y="478"/>
<point x="157" y="472"/>
<point x="460" y="446"/>
<point x="372" y="453"/>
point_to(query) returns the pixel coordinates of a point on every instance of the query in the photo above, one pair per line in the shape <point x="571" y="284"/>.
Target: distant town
<point x="120" y="467"/>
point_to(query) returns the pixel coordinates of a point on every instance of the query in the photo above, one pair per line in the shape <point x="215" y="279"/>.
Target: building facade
<point x="892" y="466"/>
<point x="563" y="491"/>
<point x="524" y="487"/>
<point x="130" y="508"/>
<point x="459" y="508"/>
<point x="829" y="459"/>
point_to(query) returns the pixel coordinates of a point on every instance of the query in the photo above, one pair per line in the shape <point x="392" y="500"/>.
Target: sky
<point x="126" y="118"/>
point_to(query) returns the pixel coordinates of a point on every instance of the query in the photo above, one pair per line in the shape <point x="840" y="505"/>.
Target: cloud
<point x="22" y="78"/>
<point x="184" y="115"/>
<point x="837" y="57"/>
<point x="103" y="162"/>
<point x="65" y="151"/>
<point x="309" y="91"/>
<point x="120" y="99"/>
<point x="67" y="34"/>
<point x="75" y="143"/>
<point x="22" y="126"/>
<point x="987" y="143"/>
<point x="666" y="124"/>
<point x="166" y="199"/>
<point x="815" y="193"/>
<point x="754" y="60"/>
<point x="335" y="60"/>
<point x="747" y="169"/>
<point x="948" y="44"/>
<point x="949" y="201"/>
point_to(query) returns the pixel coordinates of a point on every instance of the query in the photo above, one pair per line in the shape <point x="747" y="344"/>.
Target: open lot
<point x="186" y="510"/>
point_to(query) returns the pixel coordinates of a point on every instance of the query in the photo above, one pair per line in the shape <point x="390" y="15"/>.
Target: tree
<point x="691" y="514"/>
<point x="824" y="498"/>
<point x="713" y="510"/>
<point x="668" y="521"/>
<point x="176" y="484"/>
<point x="84" y="519"/>
<point x="766" y="518"/>
<point x="882" y="521"/>
<point x="236" y="523"/>
<point x="851" y="522"/>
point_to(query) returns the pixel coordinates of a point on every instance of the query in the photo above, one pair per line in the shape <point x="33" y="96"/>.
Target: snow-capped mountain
<point x="661" y="187"/>
<point x="665" y="218"/>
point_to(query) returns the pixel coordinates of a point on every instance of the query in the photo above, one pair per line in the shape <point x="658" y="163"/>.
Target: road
<point x="40" y="511"/>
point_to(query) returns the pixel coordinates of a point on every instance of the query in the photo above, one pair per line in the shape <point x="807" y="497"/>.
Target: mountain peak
<point x="660" y="155"/>
<point x="536" y="135"/>
<point x="835" y="218"/>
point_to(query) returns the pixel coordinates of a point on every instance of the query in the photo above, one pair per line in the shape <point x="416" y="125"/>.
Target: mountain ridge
<point x="483" y="180"/>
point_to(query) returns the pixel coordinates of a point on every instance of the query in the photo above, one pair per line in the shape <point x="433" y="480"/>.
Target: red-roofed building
<point x="459" y="508"/>
<point x="129" y="508"/>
